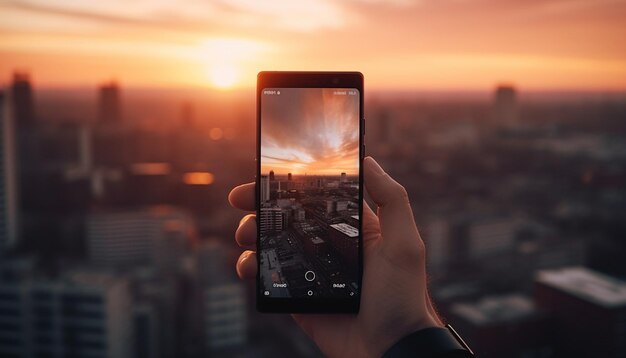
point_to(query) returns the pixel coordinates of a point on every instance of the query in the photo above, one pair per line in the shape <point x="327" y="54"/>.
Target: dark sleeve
<point x="434" y="342"/>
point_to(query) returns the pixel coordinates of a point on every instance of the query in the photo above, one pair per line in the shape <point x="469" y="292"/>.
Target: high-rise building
<point x="81" y="314"/>
<point x="505" y="105"/>
<point x="272" y="176"/>
<point x="109" y="105"/>
<point x="23" y="100"/>
<point x="8" y="182"/>
<point x="154" y="236"/>
<point x="289" y="176"/>
<point x="272" y="219"/>
<point x="588" y="309"/>
<point x="265" y="188"/>
<point x="344" y="239"/>
<point x="187" y="115"/>
<point x="225" y="319"/>
<point x="344" y="178"/>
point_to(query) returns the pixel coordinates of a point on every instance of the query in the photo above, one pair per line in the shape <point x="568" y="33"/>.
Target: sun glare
<point x="229" y="60"/>
<point x="223" y="76"/>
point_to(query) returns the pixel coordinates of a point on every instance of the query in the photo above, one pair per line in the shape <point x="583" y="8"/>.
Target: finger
<point x="242" y="197"/>
<point x="394" y="211"/>
<point x="371" y="229"/>
<point x="246" y="232"/>
<point x="247" y="265"/>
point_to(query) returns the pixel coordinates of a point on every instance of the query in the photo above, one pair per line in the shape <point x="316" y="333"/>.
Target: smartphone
<point x="309" y="192"/>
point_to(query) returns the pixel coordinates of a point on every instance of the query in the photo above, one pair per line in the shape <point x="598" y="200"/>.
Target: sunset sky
<point x="397" y="44"/>
<point x="310" y="131"/>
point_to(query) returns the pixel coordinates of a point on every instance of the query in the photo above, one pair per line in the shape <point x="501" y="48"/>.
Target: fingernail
<point x="374" y="165"/>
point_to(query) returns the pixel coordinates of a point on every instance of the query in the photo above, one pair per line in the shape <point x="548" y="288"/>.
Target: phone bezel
<point x="291" y="79"/>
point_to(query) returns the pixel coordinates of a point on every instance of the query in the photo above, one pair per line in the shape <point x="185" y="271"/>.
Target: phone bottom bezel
<point x="308" y="305"/>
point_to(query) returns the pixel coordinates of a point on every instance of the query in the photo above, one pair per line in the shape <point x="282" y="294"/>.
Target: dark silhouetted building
<point x="589" y="311"/>
<point x="344" y="239"/>
<point x="8" y="191"/>
<point x="289" y="176"/>
<point x="23" y="100"/>
<point x="505" y="105"/>
<point x="503" y="326"/>
<point x="272" y="176"/>
<point x="110" y="107"/>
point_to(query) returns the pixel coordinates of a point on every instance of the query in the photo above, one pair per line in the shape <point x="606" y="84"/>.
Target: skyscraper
<point x="289" y="176"/>
<point x="8" y="190"/>
<point x="23" y="101"/>
<point x="344" y="178"/>
<point x="110" y="109"/>
<point x="81" y="314"/>
<point x="505" y="105"/>
<point x="272" y="176"/>
<point x="265" y="188"/>
<point x="155" y="236"/>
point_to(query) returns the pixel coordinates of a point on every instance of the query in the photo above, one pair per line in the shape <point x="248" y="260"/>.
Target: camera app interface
<point x="309" y="192"/>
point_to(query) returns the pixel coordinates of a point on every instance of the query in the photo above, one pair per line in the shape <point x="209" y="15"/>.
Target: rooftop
<point x="586" y="284"/>
<point x="346" y="229"/>
<point x="496" y="309"/>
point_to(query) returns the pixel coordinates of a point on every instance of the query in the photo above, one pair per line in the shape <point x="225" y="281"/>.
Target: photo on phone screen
<point x="309" y="195"/>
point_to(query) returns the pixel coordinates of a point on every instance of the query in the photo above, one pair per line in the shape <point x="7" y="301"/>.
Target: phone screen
<point x="309" y="194"/>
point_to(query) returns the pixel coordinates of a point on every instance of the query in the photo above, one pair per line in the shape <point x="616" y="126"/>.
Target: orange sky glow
<point x="397" y="44"/>
<point x="310" y="131"/>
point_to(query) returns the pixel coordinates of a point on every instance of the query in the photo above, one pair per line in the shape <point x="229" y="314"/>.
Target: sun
<point x="223" y="76"/>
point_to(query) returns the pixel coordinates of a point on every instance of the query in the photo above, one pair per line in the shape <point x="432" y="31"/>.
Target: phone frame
<point x="293" y="79"/>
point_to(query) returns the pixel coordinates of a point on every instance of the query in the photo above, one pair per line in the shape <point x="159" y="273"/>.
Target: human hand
<point x="394" y="297"/>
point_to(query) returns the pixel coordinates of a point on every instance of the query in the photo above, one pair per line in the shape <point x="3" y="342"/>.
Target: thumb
<point x="397" y="224"/>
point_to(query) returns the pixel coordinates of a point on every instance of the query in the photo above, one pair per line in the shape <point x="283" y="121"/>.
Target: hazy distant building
<point x="589" y="311"/>
<point x="23" y="100"/>
<point x="8" y="174"/>
<point x="289" y="176"/>
<point x="265" y="189"/>
<point x="225" y="318"/>
<point x="187" y="115"/>
<point x="109" y="103"/>
<point x="81" y="314"/>
<point x="491" y="236"/>
<point x="505" y="107"/>
<point x="503" y="326"/>
<point x="155" y="236"/>
<point x="272" y="176"/>
<point x="344" y="178"/>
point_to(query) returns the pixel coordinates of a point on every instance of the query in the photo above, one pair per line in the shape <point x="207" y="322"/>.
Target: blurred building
<point x="491" y="236"/>
<point x="588" y="311"/>
<point x="23" y="100"/>
<point x="8" y="177"/>
<point x="505" y="107"/>
<point x="223" y="303"/>
<point x="109" y="103"/>
<point x="503" y="326"/>
<point x="157" y="235"/>
<point x="225" y="319"/>
<point x="80" y="314"/>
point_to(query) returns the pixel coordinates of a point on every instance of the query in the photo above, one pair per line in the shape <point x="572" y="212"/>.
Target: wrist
<point x="398" y="330"/>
